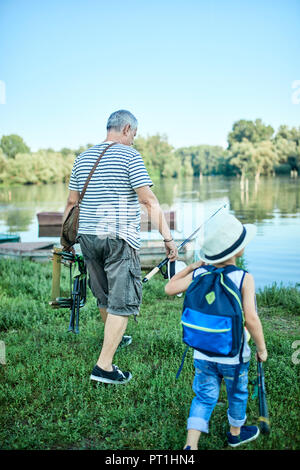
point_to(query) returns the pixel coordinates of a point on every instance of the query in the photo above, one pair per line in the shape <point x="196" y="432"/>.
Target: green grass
<point x="48" y="402"/>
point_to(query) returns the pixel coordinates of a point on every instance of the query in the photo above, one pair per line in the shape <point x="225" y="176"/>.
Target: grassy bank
<point x="48" y="402"/>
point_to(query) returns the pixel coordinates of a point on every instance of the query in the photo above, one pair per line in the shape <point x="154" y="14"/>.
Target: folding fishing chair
<point x="77" y="297"/>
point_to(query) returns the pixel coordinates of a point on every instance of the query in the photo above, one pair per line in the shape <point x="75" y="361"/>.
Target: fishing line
<point x="185" y="242"/>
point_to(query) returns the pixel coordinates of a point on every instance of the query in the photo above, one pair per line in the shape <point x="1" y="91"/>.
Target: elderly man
<point x="109" y="233"/>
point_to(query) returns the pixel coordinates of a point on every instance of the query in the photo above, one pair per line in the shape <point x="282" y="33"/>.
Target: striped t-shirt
<point x="110" y="206"/>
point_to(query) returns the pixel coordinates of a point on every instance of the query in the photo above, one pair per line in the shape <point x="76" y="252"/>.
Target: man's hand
<point x="70" y="249"/>
<point x="171" y="250"/>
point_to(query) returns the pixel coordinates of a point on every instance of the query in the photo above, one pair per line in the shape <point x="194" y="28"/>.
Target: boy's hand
<point x="195" y="265"/>
<point x="262" y="355"/>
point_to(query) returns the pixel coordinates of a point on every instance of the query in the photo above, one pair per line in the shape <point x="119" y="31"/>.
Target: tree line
<point x="253" y="149"/>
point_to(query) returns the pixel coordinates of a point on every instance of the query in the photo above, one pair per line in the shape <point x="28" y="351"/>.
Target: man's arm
<point x="157" y="217"/>
<point x="71" y="201"/>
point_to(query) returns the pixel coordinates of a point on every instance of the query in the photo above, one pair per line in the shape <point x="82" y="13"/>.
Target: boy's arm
<point x="252" y="320"/>
<point x="181" y="281"/>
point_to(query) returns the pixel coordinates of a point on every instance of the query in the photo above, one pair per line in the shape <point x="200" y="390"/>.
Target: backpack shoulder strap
<point x="207" y="268"/>
<point x="198" y="271"/>
<point x="231" y="268"/>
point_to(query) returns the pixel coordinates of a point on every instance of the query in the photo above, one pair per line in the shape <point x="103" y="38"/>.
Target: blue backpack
<point x="212" y="317"/>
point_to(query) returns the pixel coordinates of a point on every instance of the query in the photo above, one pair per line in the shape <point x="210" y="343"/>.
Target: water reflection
<point x="53" y="193"/>
<point x="19" y="205"/>
<point x="258" y="202"/>
<point x="17" y="219"/>
<point x="273" y="204"/>
<point x="251" y="203"/>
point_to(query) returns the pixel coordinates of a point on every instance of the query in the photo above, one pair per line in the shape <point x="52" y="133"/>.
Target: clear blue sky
<point x="187" y="68"/>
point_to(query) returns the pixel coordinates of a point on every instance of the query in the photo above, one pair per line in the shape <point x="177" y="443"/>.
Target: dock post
<point x="56" y="268"/>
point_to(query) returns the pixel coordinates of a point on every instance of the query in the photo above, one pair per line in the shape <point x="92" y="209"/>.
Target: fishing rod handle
<point x="151" y="274"/>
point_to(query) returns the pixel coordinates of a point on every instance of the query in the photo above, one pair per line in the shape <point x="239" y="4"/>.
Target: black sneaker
<point x="125" y="341"/>
<point x="247" y="434"/>
<point x="116" y="376"/>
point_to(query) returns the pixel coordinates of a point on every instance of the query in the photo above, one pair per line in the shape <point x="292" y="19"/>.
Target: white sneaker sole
<point x="247" y="440"/>
<point x="109" y="381"/>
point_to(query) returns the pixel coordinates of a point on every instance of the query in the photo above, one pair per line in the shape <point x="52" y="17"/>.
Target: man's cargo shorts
<point x="114" y="273"/>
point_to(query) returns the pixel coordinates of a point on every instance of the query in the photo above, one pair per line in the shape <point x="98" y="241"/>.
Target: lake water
<point x="273" y="205"/>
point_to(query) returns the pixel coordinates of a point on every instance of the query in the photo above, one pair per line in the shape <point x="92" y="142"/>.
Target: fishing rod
<point x="187" y="240"/>
<point x="264" y="422"/>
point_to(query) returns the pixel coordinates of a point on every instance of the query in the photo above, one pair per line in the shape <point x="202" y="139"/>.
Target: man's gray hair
<point x="119" y="119"/>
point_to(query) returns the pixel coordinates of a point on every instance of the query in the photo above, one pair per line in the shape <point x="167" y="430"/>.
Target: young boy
<point x="224" y="241"/>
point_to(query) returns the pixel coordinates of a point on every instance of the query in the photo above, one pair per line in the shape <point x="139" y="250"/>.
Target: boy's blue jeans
<point x="207" y="381"/>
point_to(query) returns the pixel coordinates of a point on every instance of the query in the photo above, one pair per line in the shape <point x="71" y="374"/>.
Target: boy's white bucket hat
<point x="225" y="236"/>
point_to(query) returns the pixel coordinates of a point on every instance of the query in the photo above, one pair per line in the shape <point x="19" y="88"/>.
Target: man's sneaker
<point x="125" y="341"/>
<point x="116" y="376"/>
<point x="247" y="434"/>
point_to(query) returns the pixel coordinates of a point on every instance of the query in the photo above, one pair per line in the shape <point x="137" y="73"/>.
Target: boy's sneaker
<point x="247" y="434"/>
<point x="125" y="341"/>
<point x="116" y="376"/>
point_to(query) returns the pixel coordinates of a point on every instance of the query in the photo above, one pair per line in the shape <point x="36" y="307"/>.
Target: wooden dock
<point x="151" y="252"/>
<point x="35" y="251"/>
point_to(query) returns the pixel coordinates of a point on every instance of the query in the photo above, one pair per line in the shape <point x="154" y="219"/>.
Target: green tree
<point x="80" y="149"/>
<point x="40" y="167"/>
<point x="66" y="151"/>
<point x="204" y="159"/>
<point x="158" y="155"/>
<point x="264" y="157"/>
<point x="287" y="144"/>
<point x="214" y="154"/>
<point x="240" y="156"/>
<point x="224" y="165"/>
<point x="20" y="170"/>
<point x="13" y="144"/>
<point x="185" y="157"/>
<point x="170" y="168"/>
<point x="186" y="169"/>
<point x="253" y="159"/>
<point x="253" y="131"/>
<point x="3" y="163"/>
<point x="198" y="160"/>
